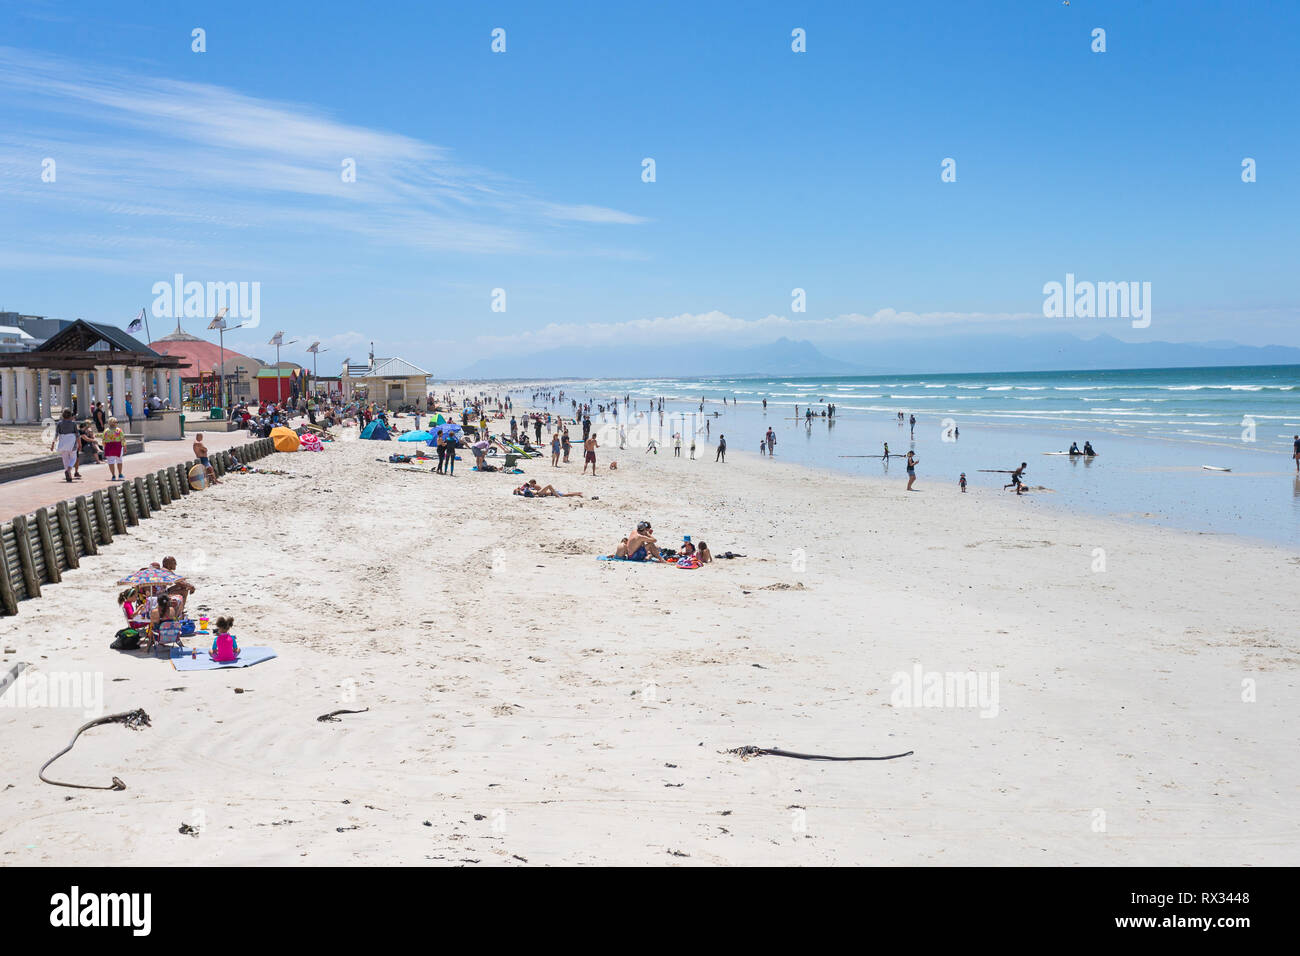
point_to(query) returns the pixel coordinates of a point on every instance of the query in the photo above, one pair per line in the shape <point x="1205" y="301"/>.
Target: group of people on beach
<point x="641" y="545"/>
<point x="155" y="615"/>
<point x="104" y="440"/>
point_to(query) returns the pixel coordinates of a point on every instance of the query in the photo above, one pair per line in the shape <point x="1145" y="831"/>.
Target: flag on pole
<point x="137" y="323"/>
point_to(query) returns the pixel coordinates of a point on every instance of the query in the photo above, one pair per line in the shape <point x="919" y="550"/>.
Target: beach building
<point x="85" y="362"/>
<point x="14" y="339"/>
<point x="201" y="365"/>
<point x="38" y="327"/>
<point x="391" y="382"/>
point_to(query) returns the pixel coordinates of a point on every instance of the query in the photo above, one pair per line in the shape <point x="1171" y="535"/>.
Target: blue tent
<point x="414" y="436"/>
<point x="376" y="431"/>
<point x="445" y="429"/>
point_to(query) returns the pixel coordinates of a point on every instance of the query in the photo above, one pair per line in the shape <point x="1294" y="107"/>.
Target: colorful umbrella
<point x="151" y="576"/>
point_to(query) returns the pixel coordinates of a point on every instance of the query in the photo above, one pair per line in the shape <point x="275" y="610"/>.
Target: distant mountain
<point x="683" y="360"/>
<point x="968" y="353"/>
<point x="1040" y="353"/>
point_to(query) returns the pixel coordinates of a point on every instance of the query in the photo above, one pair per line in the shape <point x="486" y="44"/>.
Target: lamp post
<point x="219" y="323"/>
<point x="315" y="351"/>
<point x="278" y="340"/>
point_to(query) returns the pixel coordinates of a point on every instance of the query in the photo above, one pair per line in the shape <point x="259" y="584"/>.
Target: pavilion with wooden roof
<point x="104" y="363"/>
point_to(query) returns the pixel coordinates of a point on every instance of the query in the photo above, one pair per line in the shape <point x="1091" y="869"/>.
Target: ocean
<point x="1154" y="430"/>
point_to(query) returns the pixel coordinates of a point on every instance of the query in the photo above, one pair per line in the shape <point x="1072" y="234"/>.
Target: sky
<point x="775" y="170"/>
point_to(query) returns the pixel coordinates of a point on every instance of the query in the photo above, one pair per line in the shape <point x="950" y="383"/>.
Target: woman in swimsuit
<point x="911" y="470"/>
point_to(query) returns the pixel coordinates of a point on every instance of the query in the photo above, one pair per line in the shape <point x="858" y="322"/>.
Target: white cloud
<point x="170" y="153"/>
<point x="720" y="327"/>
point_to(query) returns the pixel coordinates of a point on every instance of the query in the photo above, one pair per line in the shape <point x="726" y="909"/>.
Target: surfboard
<point x="1215" y="468"/>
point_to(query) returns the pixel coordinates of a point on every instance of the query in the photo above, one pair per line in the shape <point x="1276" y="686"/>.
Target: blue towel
<point x="248" y="656"/>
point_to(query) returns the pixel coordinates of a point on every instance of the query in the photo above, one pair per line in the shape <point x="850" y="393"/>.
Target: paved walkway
<point x="25" y="495"/>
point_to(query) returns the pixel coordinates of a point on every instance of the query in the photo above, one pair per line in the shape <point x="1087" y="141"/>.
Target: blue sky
<point x="775" y="169"/>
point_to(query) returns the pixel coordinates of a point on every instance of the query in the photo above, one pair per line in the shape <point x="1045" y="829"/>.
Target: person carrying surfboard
<point x="1015" y="478"/>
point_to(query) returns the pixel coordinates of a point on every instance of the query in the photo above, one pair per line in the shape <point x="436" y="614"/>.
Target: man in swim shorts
<point x="641" y="544"/>
<point x="589" y="454"/>
<point x="201" y="453"/>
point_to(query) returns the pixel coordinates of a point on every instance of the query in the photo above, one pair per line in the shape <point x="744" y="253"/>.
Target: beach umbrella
<point x="151" y="576"/>
<point x="285" y="439"/>
<point x="414" y="436"/>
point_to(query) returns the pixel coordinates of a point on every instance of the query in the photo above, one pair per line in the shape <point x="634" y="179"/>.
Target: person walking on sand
<point x="722" y="449"/>
<point x="589" y="455"/>
<point x="771" y="442"/>
<point x="911" y="470"/>
<point x="677" y="444"/>
<point x="68" y="439"/>
<point x="692" y="446"/>
<point x="565" y="444"/>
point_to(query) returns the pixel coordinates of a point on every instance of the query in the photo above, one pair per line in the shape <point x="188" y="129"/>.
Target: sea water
<point x="1154" y="430"/>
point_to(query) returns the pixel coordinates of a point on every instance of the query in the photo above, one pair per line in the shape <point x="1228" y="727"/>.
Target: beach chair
<point x="165" y="634"/>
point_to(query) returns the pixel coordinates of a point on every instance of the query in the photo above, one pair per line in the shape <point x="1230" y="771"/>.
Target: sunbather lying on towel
<point x="530" y="489"/>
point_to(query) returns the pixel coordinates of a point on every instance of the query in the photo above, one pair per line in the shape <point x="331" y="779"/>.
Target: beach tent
<point x="285" y="439"/>
<point x="439" y="420"/>
<point x="376" y="431"/>
<point x="445" y="429"/>
<point x="414" y="436"/>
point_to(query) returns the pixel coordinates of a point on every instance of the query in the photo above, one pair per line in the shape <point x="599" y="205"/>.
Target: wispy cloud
<point x="167" y="154"/>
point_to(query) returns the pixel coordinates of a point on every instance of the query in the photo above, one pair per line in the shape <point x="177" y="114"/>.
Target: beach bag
<point x="187" y="627"/>
<point x="127" y="639"/>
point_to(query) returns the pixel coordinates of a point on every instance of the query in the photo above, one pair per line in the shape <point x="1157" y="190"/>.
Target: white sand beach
<point x="530" y="705"/>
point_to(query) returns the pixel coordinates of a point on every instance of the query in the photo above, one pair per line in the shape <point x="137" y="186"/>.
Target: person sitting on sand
<point x="641" y="544"/>
<point x="704" y="554"/>
<point x="225" y="647"/>
<point x="621" y="550"/>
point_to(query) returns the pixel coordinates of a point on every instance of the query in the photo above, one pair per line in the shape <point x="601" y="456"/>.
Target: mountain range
<point x="972" y="353"/>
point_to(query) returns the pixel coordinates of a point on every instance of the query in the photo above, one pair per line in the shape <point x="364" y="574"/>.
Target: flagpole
<point x="148" y="334"/>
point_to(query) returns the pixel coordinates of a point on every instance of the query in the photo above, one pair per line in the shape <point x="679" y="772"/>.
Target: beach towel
<point x="248" y="656"/>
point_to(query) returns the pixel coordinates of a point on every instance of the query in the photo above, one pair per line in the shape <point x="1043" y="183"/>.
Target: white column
<point x="119" y="394"/>
<point x="43" y="391"/>
<point x="137" y="390"/>
<point x="22" y="385"/>
<point x="65" y="390"/>
<point x="7" y="396"/>
<point x="174" y="388"/>
<point x="101" y="386"/>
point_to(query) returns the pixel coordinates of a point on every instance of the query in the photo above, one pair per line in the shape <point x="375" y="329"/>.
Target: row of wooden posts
<point x="38" y="548"/>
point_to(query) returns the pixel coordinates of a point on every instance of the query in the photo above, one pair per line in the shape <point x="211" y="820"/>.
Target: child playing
<point x="112" y="439"/>
<point x="225" y="647"/>
<point x="962" y="481"/>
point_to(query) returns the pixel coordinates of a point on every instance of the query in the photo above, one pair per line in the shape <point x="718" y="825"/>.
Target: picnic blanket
<point x="248" y="656"/>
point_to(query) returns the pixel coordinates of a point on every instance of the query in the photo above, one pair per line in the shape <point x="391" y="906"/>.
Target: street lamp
<point x="219" y="323"/>
<point x="315" y="351"/>
<point x="278" y="340"/>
